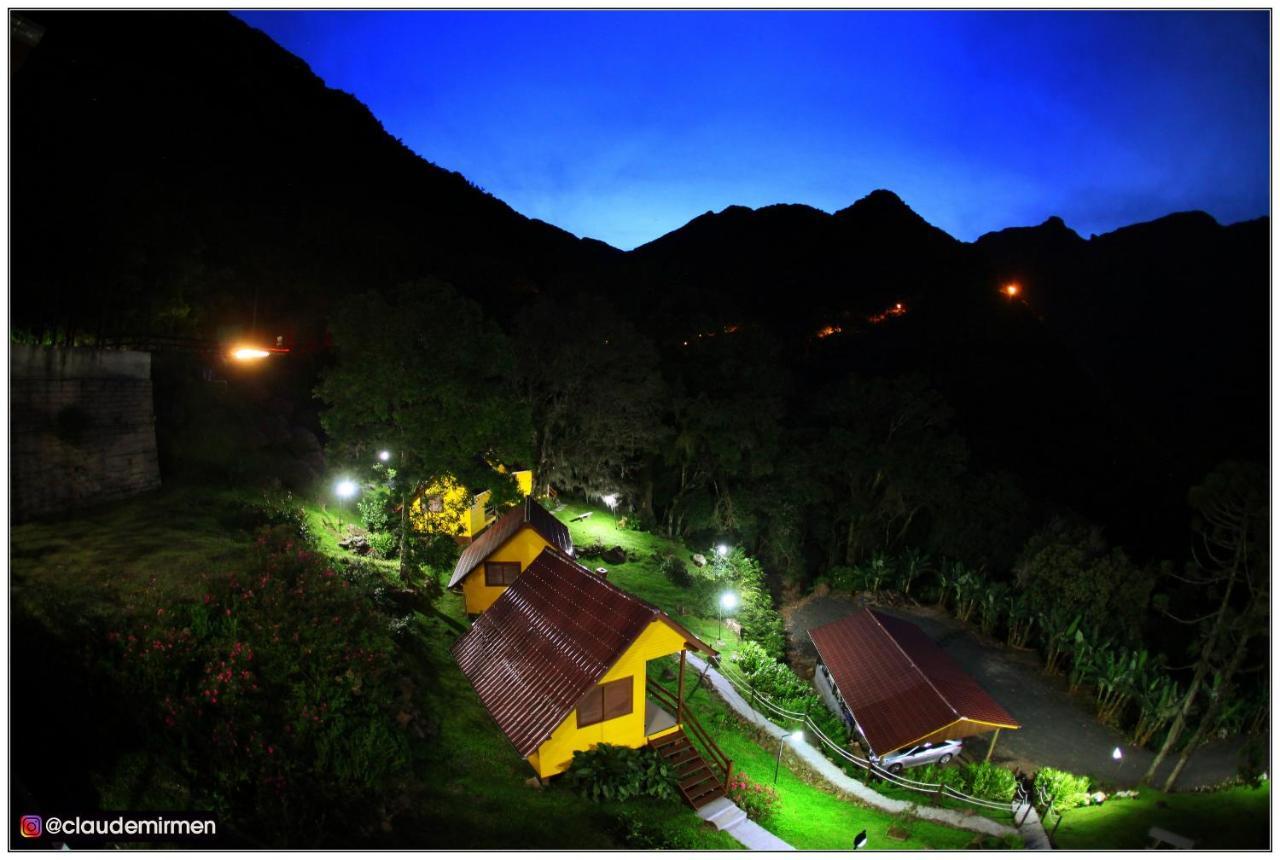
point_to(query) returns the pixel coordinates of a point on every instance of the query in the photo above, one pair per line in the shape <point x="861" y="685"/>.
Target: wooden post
<point x="992" y="748"/>
<point x="680" y="690"/>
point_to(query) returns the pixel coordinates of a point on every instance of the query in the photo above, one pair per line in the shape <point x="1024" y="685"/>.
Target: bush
<point x="277" y="697"/>
<point x="990" y="782"/>
<point x="786" y="689"/>
<point x="375" y="508"/>
<point x="384" y="544"/>
<point x="676" y="572"/>
<point x="1067" y="790"/>
<point x="608" y="772"/>
<point x="269" y="511"/>
<point x="844" y="578"/>
<point x="756" y="800"/>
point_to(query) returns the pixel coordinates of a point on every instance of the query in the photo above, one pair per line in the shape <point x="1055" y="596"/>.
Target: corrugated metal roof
<point x="529" y="513"/>
<point x="899" y="685"/>
<point x="548" y="639"/>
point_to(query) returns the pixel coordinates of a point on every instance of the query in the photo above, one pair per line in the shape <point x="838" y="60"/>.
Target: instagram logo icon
<point x="31" y="826"/>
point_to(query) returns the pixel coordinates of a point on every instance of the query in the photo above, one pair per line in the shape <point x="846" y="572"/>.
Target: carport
<point x="896" y="688"/>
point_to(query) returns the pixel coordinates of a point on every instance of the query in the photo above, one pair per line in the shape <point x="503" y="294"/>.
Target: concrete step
<point x="715" y="807"/>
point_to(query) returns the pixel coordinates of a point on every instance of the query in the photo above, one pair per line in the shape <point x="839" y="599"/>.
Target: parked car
<point x="913" y="756"/>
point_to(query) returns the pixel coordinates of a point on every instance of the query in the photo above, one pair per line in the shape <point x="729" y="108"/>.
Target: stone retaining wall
<point x="81" y="428"/>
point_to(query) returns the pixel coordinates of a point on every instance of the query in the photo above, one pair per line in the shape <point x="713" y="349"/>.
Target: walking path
<point x="729" y="818"/>
<point x="841" y="780"/>
<point x="1030" y="829"/>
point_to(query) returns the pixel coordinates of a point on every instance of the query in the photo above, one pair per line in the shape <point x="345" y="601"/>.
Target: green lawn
<point x="641" y="575"/>
<point x="1235" y="818"/>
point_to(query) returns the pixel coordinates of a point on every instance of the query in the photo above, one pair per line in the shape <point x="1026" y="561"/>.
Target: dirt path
<point x="1057" y="729"/>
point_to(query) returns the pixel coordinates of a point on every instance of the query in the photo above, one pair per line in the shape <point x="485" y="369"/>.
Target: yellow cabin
<point x="447" y="507"/>
<point x="562" y="663"/>
<point x="493" y="560"/>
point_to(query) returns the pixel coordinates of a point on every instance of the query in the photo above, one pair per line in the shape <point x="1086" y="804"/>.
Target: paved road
<point x="1058" y="730"/>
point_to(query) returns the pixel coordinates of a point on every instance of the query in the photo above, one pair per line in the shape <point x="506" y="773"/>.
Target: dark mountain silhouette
<point x="171" y="166"/>
<point x="179" y="173"/>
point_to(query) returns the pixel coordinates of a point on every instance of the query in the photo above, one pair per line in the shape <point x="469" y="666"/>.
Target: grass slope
<point x="1234" y="818"/>
<point x="73" y="576"/>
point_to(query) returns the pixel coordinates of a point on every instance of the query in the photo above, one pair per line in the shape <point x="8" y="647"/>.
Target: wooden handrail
<point x="685" y="718"/>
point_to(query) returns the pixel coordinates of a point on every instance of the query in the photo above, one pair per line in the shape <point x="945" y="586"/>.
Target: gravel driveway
<point x="1057" y="729"/>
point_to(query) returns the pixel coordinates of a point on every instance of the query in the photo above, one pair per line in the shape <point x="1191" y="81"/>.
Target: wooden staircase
<point x="699" y="782"/>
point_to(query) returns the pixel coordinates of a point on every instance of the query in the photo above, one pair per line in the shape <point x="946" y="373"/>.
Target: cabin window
<point x="605" y="702"/>
<point x="435" y="504"/>
<point x="501" y="572"/>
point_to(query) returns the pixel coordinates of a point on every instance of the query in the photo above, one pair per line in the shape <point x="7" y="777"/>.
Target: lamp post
<point x="344" y="489"/>
<point x="794" y="736"/>
<point x="1117" y="756"/>
<point x="728" y="601"/>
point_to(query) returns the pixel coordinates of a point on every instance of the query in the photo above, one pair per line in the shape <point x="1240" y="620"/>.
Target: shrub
<point x="375" y="508"/>
<point x="271" y="510"/>
<point x="277" y="697"/>
<point x="384" y="544"/>
<point x="786" y="689"/>
<point x="990" y="782"/>
<point x="676" y="572"/>
<point x="948" y="775"/>
<point x="844" y="578"/>
<point x="1067" y="790"/>
<point x="756" y="800"/>
<point x="608" y="772"/>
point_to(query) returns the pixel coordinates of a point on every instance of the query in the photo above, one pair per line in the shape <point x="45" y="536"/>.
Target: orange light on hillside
<point x="1011" y="290"/>
<point x="249" y="353"/>
<point x="827" y="331"/>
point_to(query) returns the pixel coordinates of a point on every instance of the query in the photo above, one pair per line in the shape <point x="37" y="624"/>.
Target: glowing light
<point x="1011" y="290"/>
<point x="728" y="600"/>
<point x="611" y="500"/>
<point x="722" y="550"/>
<point x="1115" y="754"/>
<point x="248" y="353"/>
<point x="827" y="331"/>
<point x="797" y="735"/>
<point x="384" y="456"/>
<point x="345" y="489"/>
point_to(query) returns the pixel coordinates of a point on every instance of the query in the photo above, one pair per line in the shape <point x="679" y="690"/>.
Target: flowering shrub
<point x="756" y="800"/>
<point x="277" y="694"/>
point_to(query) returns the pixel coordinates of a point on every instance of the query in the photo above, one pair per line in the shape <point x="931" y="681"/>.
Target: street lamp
<point x="722" y="550"/>
<point x="344" y="489"/>
<point x="798" y="734"/>
<point x="728" y="601"/>
<point x="1116" y="755"/>
<point x="384" y="456"/>
<point x="610" y="501"/>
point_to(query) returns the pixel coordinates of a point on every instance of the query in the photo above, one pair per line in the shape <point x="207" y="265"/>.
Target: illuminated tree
<point x="425" y="376"/>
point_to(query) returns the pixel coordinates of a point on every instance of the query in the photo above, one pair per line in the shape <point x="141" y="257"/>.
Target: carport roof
<point x="901" y="687"/>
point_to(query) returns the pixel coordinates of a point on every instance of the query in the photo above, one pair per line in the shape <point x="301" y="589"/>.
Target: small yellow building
<point x="492" y="562"/>
<point x="447" y="507"/>
<point x="562" y="663"/>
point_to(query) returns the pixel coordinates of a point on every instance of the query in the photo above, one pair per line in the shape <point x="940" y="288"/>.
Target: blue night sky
<point x="625" y="125"/>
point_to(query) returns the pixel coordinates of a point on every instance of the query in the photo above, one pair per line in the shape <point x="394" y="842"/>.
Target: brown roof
<point x="548" y="639"/>
<point x="900" y="686"/>
<point x="528" y="513"/>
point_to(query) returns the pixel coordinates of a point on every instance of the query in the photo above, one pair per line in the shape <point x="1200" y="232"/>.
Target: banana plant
<point x="1086" y="650"/>
<point x="1059" y="630"/>
<point x="946" y="575"/>
<point x="876" y="572"/>
<point x="1021" y="620"/>
<point x="913" y="565"/>
<point x="1158" y="698"/>
<point x="967" y="586"/>
<point x="991" y="606"/>
<point x="1118" y="673"/>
